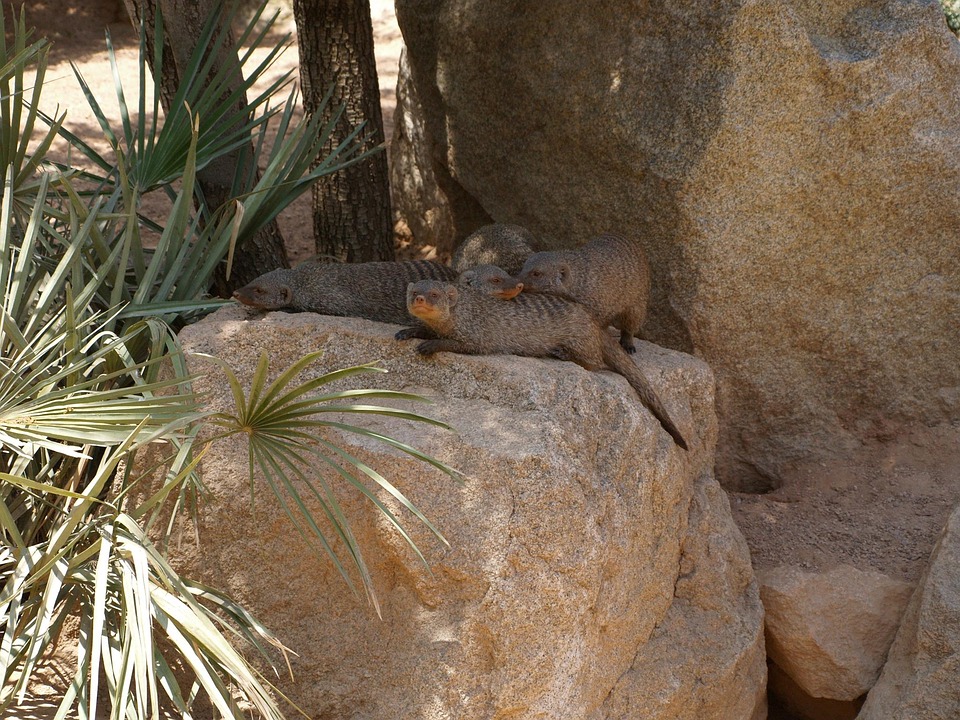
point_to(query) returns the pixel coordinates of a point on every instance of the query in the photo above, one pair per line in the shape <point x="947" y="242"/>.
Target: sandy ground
<point x="77" y="33"/>
<point x="882" y="507"/>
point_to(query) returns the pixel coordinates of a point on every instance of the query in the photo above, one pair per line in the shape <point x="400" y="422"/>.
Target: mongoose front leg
<point x="429" y="347"/>
<point x="415" y="332"/>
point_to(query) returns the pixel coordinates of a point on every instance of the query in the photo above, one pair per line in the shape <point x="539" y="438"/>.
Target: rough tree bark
<point x="183" y="21"/>
<point x="351" y="208"/>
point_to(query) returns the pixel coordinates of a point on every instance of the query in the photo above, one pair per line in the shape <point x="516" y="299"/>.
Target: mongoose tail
<point x="619" y="361"/>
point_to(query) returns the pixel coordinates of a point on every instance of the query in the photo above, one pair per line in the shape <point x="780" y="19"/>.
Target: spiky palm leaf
<point x="87" y="324"/>
<point x="77" y="399"/>
<point x="19" y="112"/>
<point x="207" y="119"/>
<point x="279" y="421"/>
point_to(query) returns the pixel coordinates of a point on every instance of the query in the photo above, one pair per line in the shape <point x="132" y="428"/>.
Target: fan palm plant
<point x="88" y="320"/>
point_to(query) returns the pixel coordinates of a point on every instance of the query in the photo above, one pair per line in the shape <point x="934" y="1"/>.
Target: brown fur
<point x="472" y="322"/>
<point x="374" y="290"/>
<point x="492" y="280"/>
<point x="610" y="276"/>
<point x="506" y="246"/>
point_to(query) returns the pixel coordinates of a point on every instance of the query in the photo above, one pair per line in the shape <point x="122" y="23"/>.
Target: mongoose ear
<point x="564" y="272"/>
<point x="410" y="286"/>
<point x="452" y="294"/>
<point x="286" y="295"/>
<point x="468" y="277"/>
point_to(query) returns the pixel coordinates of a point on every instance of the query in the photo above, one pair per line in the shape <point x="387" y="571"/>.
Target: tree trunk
<point x="183" y="21"/>
<point x="351" y="208"/>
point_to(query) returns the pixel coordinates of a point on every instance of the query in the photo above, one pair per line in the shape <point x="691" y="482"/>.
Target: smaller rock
<point x="830" y="631"/>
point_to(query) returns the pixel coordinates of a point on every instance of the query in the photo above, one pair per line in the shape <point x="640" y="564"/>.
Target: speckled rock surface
<point x="594" y="568"/>
<point x="920" y="679"/>
<point x="792" y="168"/>
<point x="830" y="631"/>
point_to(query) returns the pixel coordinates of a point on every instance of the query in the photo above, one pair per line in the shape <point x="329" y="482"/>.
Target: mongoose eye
<point x="535" y="273"/>
<point x="434" y="295"/>
<point x="495" y="281"/>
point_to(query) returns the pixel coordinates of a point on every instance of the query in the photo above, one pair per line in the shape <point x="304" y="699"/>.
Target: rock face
<point x="792" y="168"/>
<point x="414" y="193"/>
<point x="830" y="631"/>
<point x="594" y="570"/>
<point x="920" y="679"/>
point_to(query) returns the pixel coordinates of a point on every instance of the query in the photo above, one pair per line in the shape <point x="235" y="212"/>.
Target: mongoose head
<point x="431" y="301"/>
<point x="268" y="292"/>
<point x="491" y="280"/>
<point x="545" y="272"/>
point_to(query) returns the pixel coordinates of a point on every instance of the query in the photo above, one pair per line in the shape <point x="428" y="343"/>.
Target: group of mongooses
<point x="498" y="297"/>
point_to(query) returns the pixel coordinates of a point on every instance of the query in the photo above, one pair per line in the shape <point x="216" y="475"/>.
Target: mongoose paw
<point x="560" y="353"/>
<point x="628" y="346"/>
<point x="429" y="347"/>
<point x="409" y="333"/>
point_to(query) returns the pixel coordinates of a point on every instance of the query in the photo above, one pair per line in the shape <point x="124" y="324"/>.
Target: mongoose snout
<point x="492" y="280"/>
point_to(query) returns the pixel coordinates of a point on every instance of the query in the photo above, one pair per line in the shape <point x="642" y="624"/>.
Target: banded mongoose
<point x="372" y="290"/>
<point x="610" y="276"/>
<point x="506" y="246"/>
<point x="472" y="322"/>
<point x="492" y="280"/>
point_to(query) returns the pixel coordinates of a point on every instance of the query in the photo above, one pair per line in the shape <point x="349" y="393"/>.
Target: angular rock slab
<point x="830" y="631"/>
<point x="593" y="566"/>
<point x="791" y="167"/>
<point x="921" y="680"/>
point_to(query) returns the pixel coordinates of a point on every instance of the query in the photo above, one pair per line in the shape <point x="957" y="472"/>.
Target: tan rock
<point x="793" y="169"/>
<point x="830" y="631"/>
<point x="593" y="565"/>
<point x="921" y="680"/>
<point x="666" y="680"/>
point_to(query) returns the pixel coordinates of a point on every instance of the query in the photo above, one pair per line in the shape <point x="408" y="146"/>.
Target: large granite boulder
<point x="921" y="679"/>
<point x="792" y="168"/>
<point x="594" y="570"/>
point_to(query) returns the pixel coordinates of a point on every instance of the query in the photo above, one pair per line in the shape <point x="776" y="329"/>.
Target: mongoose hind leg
<point x="586" y="354"/>
<point x="629" y="323"/>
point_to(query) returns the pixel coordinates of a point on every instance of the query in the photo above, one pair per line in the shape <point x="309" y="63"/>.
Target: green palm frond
<point x="100" y="431"/>
<point x="19" y="109"/>
<point x="288" y="172"/>
<point x="279" y="419"/>
<point x="154" y="155"/>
